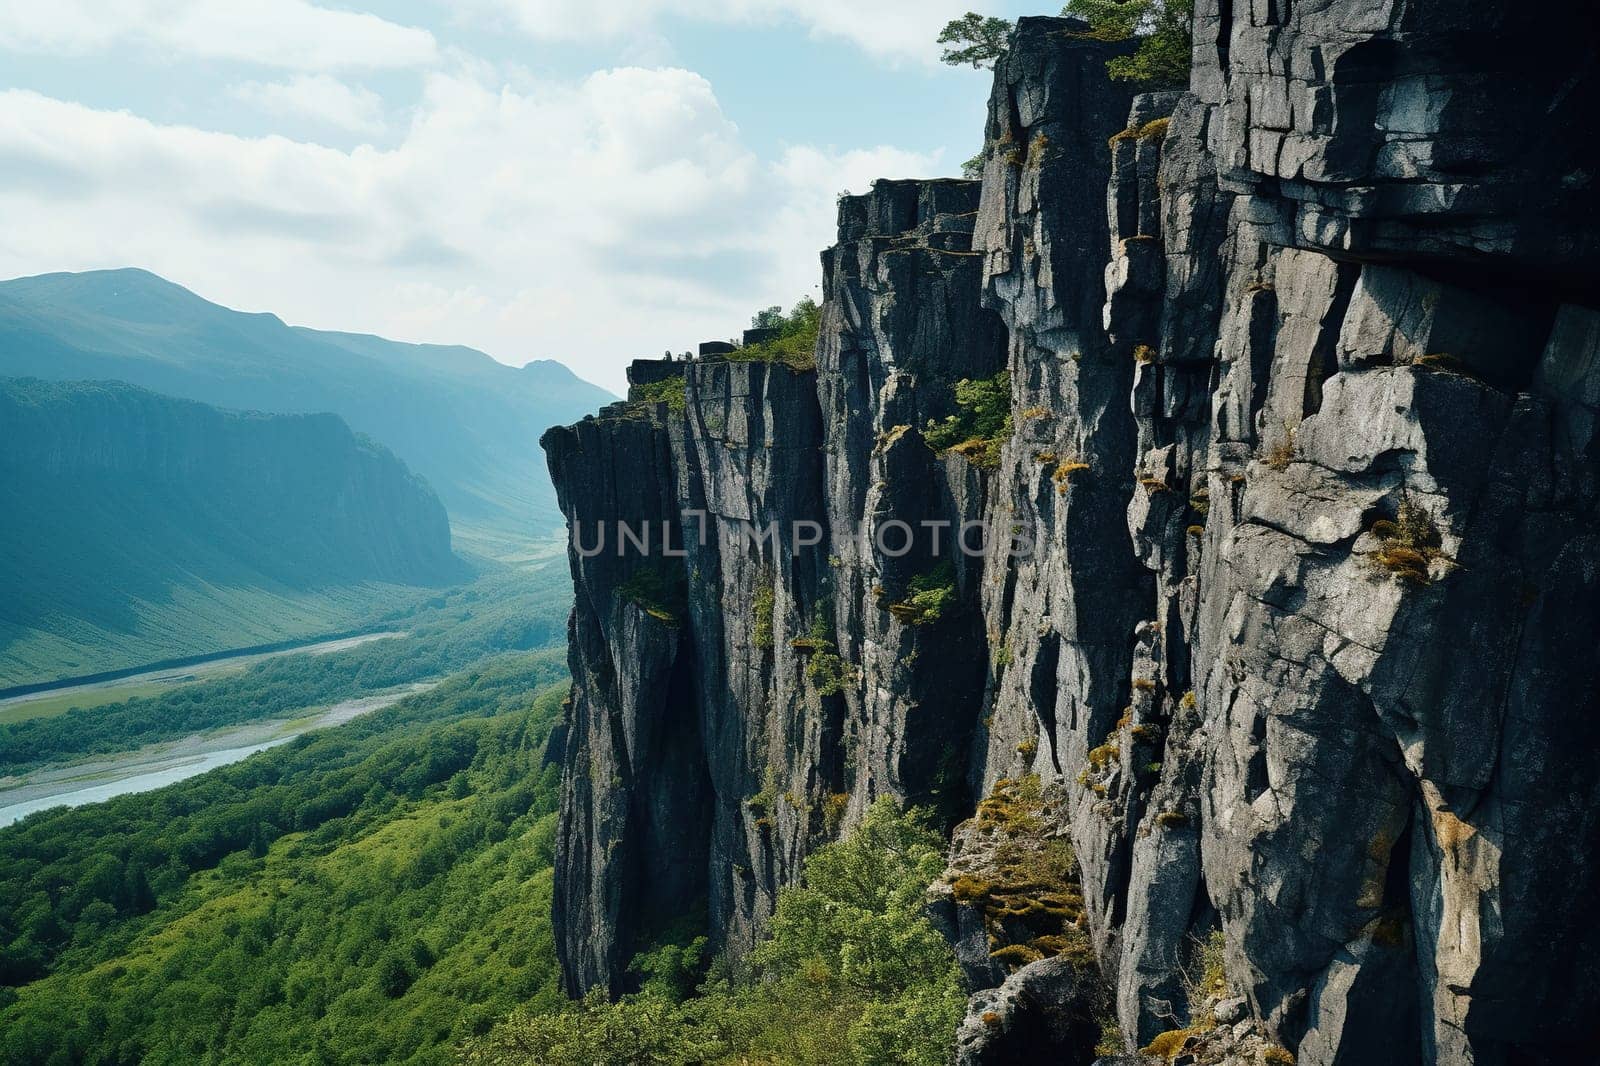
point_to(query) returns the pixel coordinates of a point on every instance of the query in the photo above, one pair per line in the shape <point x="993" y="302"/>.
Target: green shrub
<point x="1163" y="28"/>
<point x="981" y="424"/>
<point x="761" y="635"/>
<point x="974" y="39"/>
<point x="830" y="673"/>
<point x="673" y="392"/>
<point x="928" y="597"/>
<point x="796" y="344"/>
<point x="851" y="973"/>
<point x="659" y="589"/>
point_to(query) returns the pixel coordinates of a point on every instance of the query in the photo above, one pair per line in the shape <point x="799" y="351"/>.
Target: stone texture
<point x="634" y="780"/>
<point x="1043" y="1012"/>
<point x="1378" y="128"/>
<point x="775" y="490"/>
<point x="1060" y="618"/>
<point x="1305" y="371"/>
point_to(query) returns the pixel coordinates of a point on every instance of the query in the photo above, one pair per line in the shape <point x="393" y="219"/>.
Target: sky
<point x="584" y="180"/>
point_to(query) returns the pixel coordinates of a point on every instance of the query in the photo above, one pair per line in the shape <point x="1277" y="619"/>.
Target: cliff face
<point x="299" y="498"/>
<point x="1303" y="374"/>
<point x="765" y="501"/>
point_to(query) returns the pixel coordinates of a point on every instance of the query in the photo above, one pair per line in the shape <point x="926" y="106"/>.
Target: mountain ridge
<point x="144" y="526"/>
<point x="462" y="419"/>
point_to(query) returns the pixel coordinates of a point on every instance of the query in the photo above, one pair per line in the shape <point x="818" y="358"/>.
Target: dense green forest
<point x="380" y="893"/>
<point x="506" y="609"/>
<point x="851" y="974"/>
<point x="372" y="893"/>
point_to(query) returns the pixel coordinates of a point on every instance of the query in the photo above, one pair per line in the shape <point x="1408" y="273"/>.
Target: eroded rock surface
<point x="1305" y="375"/>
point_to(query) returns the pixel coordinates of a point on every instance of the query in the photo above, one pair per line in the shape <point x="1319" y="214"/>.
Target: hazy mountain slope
<point x="141" y="527"/>
<point x="467" y="423"/>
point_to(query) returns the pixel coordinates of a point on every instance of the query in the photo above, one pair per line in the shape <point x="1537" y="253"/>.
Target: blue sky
<point x="584" y="181"/>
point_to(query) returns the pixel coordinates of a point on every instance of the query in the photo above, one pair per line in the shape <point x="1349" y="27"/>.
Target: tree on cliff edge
<point x="1163" y="27"/>
<point x="974" y="39"/>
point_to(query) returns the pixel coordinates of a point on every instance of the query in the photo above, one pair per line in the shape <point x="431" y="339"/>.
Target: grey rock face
<point x="634" y="784"/>
<point x="1381" y="128"/>
<point x="1043" y="1012"/>
<point x="1060" y="619"/>
<point x="902" y="324"/>
<point x="1305" y="374"/>
<point x="708" y="753"/>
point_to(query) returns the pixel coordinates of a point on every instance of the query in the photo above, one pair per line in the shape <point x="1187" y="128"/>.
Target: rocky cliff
<point x="1291" y="608"/>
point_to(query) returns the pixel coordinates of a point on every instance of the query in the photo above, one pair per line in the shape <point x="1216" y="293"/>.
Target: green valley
<point x="506" y="609"/>
<point x="142" y="528"/>
<point x="381" y="892"/>
<point x="372" y="893"/>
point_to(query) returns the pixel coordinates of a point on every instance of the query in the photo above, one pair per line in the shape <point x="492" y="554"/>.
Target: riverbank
<point x="49" y="698"/>
<point x="156" y="765"/>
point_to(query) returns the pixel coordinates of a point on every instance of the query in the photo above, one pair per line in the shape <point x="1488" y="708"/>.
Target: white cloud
<point x="892" y="29"/>
<point x="285" y="33"/>
<point x="590" y="221"/>
<point x="316" y="98"/>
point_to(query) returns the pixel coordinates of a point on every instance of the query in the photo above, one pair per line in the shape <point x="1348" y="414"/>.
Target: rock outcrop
<point x="1297" y="626"/>
<point x="776" y="500"/>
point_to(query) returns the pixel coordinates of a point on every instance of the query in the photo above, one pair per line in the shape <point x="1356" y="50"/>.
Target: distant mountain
<point x="139" y="527"/>
<point x="467" y="423"/>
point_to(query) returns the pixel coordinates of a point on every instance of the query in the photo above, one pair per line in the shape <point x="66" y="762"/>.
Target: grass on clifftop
<point x="796" y="344"/>
<point x="674" y="392"/>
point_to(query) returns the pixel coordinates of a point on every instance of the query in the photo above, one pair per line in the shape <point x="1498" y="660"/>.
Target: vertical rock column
<point x="1061" y="621"/>
<point x="630" y="851"/>
<point x="1164" y="289"/>
<point x="902" y="325"/>
<point x="748" y="457"/>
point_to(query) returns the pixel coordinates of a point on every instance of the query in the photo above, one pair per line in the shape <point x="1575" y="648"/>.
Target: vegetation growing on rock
<point x="1163" y="28"/>
<point x="928" y="597"/>
<point x="659" y="589"/>
<point x="1013" y="863"/>
<point x="761" y="634"/>
<point x="981" y="425"/>
<point x="1410" y="546"/>
<point x="828" y="671"/>
<point x="851" y="972"/>
<point x="974" y="40"/>
<point x="671" y="391"/>
<point x="795" y="345"/>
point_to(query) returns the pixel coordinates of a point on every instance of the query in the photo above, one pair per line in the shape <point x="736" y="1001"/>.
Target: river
<point x="163" y="764"/>
<point x="183" y="673"/>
